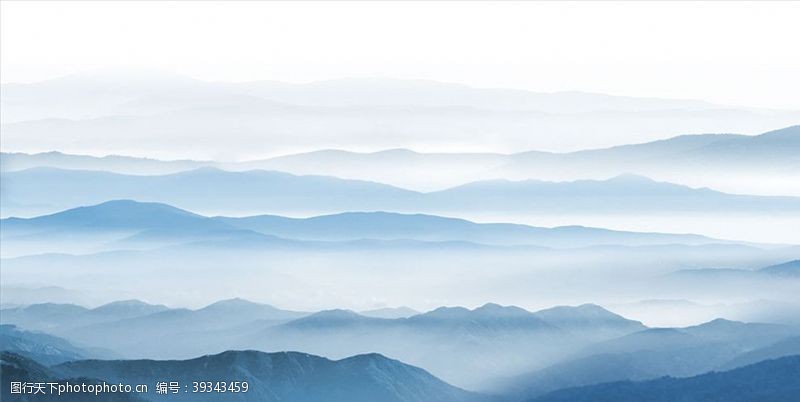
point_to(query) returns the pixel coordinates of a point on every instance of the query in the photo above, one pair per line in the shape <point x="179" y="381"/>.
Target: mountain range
<point x="538" y="352"/>
<point x="656" y="352"/>
<point x="66" y="318"/>
<point x="101" y="111"/>
<point x="454" y="342"/>
<point x="126" y="224"/>
<point x="451" y="342"/>
<point x="293" y="376"/>
<point x="214" y="191"/>
<point x="284" y="376"/>
<point x="141" y="247"/>
<point x="751" y="159"/>
<point x="678" y="159"/>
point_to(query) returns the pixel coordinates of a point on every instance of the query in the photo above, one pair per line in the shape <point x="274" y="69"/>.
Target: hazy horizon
<point x="534" y="46"/>
<point x="143" y="72"/>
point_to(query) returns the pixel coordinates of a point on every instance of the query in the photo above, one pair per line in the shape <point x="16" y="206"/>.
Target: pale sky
<point x="740" y="53"/>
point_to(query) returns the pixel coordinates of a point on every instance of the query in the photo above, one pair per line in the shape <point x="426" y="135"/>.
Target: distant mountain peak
<point x="497" y="309"/>
<point x="725" y="325"/>
<point x="125" y="303"/>
<point x="632" y="177"/>
<point x="390" y="312"/>
<point x="395" y="151"/>
<point x="122" y="214"/>
<point x="332" y="317"/>
<point x="55" y="307"/>
<point x="447" y="312"/>
<point x="720" y="323"/>
<point x="587" y="315"/>
<point x="114" y="206"/>
<point x="127" y="307"/>
<point x="582" y="308"/>
<point x="236" y="301"/>
<point x="592" y="307"/>
<point x="336" y="314"/>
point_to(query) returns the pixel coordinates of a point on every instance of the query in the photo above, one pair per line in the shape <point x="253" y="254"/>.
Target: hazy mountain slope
<point x="787" y="269"/>
<point x="738" y="336"/>
<point x="452" y="342"/>
<point x="786" y="347"/>
<point x="390" y="312"/>
<point x="766" y="163"/>
<point x="745" y="336"/>
<point x="285" y="376"/>
<point x="212" y="191"/>
<point x="769" y="149"/>
<point x="775" y="149"/>
<point x="212" y="328"/>
<point x="623" y="193"/>
<point x="641" y="365"/>
<point x="713" y="154"/>
<point x="650" y="354"/>
<point x="128" y="326"/>
<point x="592" y="320"/>
<point x="394" y="226"/>
<point x="43" y="348"/>
<point x="761" y="164"/>
<point x="50" y="316"/>
<point x="784" y="270"/>
<point x="771" y="380"/>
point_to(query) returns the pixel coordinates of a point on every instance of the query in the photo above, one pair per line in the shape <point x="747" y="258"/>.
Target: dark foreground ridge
<point x="772" y="380"/>
<point x="282" y="376"/>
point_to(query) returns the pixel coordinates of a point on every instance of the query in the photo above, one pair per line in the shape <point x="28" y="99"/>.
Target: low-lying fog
<point x="368" y="277"/>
